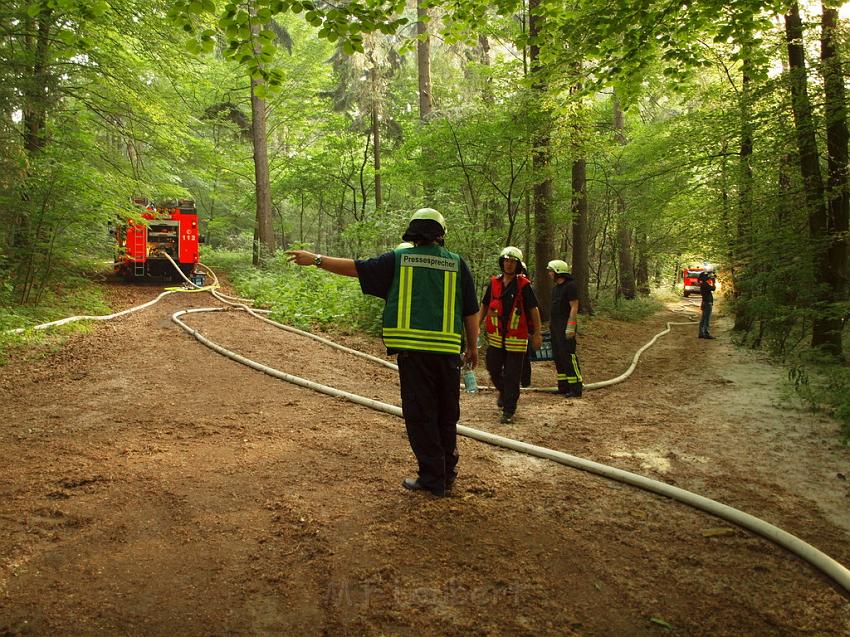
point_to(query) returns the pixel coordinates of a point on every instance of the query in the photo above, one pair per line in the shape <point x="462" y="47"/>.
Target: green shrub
<point x="622" y="310"/>
<point x="823" y="385"/>
<point x="69" y="296"/>
<point x="305" y="297"/>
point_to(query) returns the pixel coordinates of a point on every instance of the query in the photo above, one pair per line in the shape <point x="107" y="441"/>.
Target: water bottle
<point x="470" y="383"/>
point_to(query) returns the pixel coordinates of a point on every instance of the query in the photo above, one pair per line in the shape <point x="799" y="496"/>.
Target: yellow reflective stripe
<point x="427" y="346"/>
<point x="515" y="319"/>
<point x="576" y="367"/>
<point x="449" y="290"/>
<point x="516" y="344"/>
<point x="422" y="334"/>
<point x="562" y="377"/>
<point x="494" y="339"/>
<point x="405" y="296"/>
<point x="509" y="344"/>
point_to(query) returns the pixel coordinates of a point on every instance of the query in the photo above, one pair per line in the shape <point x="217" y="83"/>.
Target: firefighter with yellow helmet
<point x="562" y="324"/>
<point x="510" y="314"/>
<point x="430" y="304"/>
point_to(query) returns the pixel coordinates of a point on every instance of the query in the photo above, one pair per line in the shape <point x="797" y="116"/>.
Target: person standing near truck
<point x="562" y="325"/>
<point x="430" y="302"/>
<point x="706" y="290"/>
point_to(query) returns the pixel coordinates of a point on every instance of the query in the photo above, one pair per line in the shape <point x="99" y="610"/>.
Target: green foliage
<point x="305" y="297"/>
<point x="823" y="385"/>
<point x="632" y="311"/>
<point x="72" y="295"/>
<point x="126" y="111"/>
<point x="253" y="45"/>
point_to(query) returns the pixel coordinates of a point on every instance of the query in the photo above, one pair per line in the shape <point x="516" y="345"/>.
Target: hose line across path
<point x="827" y="565"/>
<point x="818" y="559"/>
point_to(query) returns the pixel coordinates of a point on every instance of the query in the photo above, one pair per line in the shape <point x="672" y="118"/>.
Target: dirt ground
<point x="152" y="487"/>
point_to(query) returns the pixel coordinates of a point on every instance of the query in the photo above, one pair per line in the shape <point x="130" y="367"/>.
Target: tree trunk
<point x="486" y="90"/>
<point x="742" y="245"/>
<point x="543" y="186"/>
<point x="265" y="241"/>
<point x="642" y="270"/>
<point x="423" y="61"/>
<point x="626" y="286"/>
<point x="35" y="89"/>
<point x="36" y="86"/>
<point x="581" y="265"/>
<point x="376" y="135"/>
<point x="423" y="67"/>
<point x="823" y="334"/>
<point x="626" y="274"/>
<point x="838" y="196"/>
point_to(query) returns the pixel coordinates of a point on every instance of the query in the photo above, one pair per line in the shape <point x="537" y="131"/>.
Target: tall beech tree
<point x="837" y="193"/>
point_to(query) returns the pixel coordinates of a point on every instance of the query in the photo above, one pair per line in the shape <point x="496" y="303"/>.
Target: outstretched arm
<point x="335" y="265"/>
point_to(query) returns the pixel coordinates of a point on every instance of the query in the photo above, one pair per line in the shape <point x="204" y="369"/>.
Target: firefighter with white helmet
<point x="510" y="315"/>
<point x="562" y="325"/>
<point x="430" y="304"/>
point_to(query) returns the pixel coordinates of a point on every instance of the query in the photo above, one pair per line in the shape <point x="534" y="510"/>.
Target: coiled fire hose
<point x="815" y="557"/>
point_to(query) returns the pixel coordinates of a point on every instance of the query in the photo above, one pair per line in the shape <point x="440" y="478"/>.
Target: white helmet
<point x="558" y="267"/>
<point x="510" y="252"/>
<point x="426" y="223"/>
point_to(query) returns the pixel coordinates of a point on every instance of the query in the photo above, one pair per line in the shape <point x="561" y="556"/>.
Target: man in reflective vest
<point x="562" y="324"/>
<point x="510" y="315"/>
<point x="430" y="303"/>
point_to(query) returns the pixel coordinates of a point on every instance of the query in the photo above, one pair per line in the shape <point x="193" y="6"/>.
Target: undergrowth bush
<point x="622" y="310"/>
<point x="823" y="385"/>
<point x="70" y="295"/>
<point x="305" y="297"/>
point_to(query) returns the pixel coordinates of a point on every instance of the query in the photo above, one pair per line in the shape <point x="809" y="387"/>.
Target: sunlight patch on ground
<point x="647" y="460"/>
<point x="657" y="460"/>
<point x="519" y="464"/>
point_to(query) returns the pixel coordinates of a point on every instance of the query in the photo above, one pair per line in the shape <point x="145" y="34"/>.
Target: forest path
<point x="153" y="487"/>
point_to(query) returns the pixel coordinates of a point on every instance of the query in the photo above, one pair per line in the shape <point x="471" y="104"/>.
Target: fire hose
<point x="827" y="565"/>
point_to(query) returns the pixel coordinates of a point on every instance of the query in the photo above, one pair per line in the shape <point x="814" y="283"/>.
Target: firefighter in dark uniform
<point x="510" y="315"/>
<point x="562" y="325"/>
<point x="430" y="303"/>
<point x="706" y="287"/>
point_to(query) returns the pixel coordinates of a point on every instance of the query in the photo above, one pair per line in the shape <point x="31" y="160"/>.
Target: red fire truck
<point x="690" y="279"/>
<point x="167" y="228"/>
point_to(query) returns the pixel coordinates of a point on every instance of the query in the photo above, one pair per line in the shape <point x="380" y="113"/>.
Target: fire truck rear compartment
<point x="163" y="238"/>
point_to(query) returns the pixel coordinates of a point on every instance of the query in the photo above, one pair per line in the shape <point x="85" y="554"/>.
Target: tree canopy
<point x="654" y="134"/>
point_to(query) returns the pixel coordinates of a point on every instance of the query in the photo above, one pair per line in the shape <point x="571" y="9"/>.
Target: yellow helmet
<point x="558" y="267"/>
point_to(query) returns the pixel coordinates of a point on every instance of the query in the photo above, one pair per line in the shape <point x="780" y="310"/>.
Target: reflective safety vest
<point x="512" y="336"/>
<point x="423" y="312"/>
